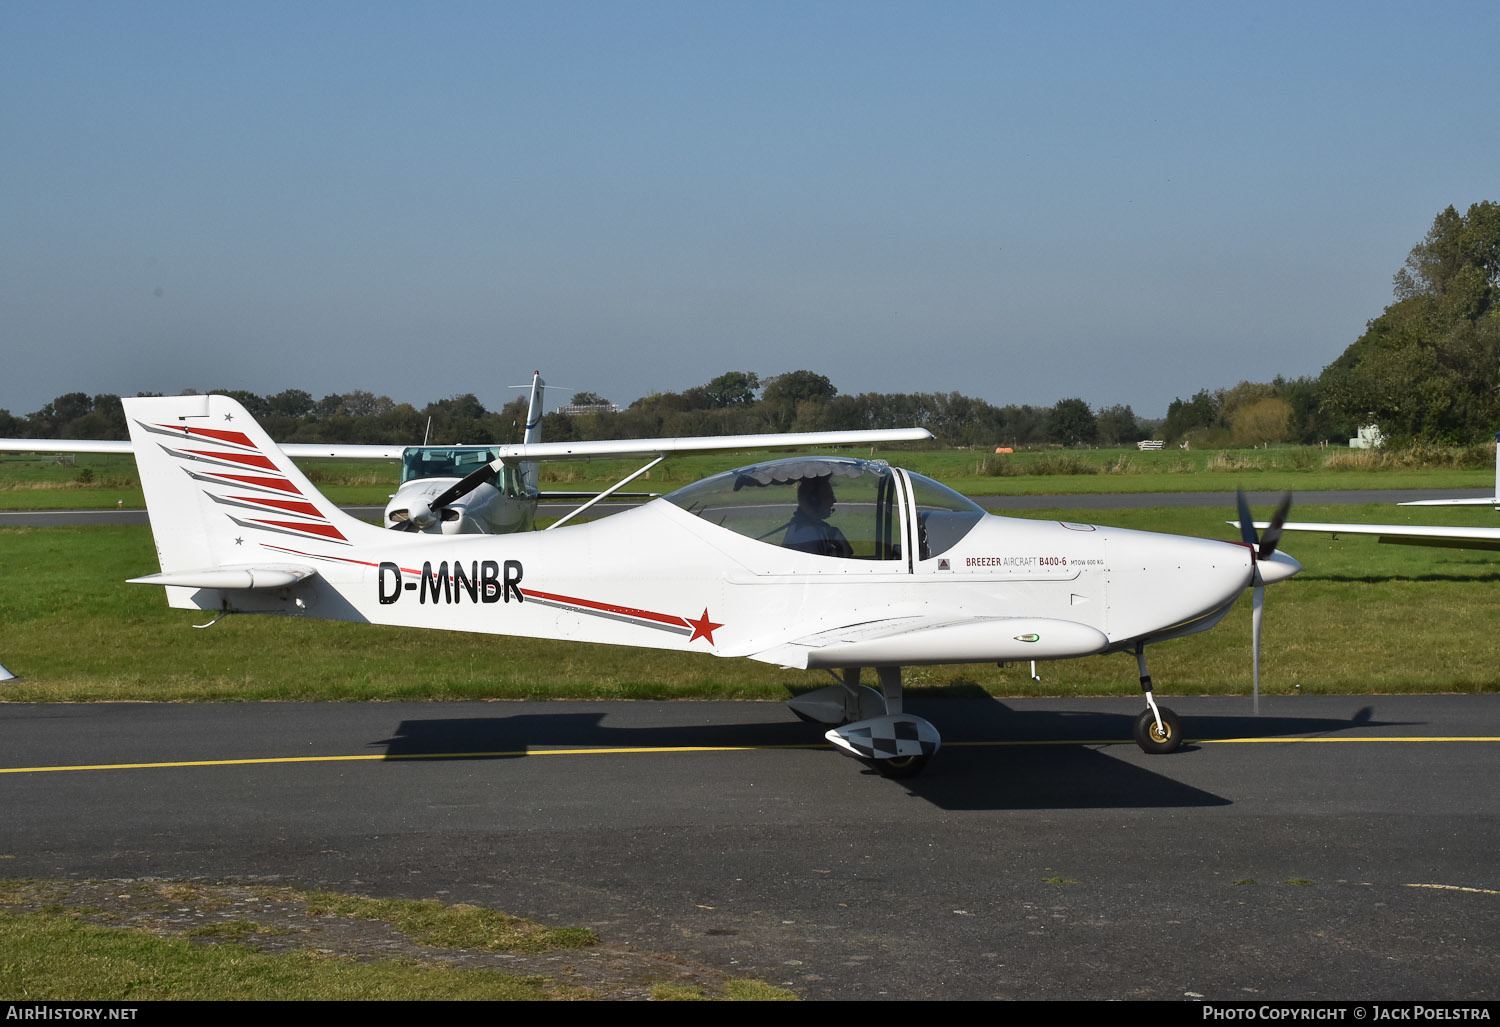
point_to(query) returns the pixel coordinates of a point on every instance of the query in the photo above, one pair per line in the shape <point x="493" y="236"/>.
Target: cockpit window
<point x="943" y="516"/>
<point x="825" y="506"/>
<point x="419" y="462"/>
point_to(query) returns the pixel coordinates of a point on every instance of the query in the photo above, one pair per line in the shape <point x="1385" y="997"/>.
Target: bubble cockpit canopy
<point x="830" y="506"/>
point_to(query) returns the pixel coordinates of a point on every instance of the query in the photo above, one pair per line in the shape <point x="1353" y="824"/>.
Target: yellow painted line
<point x="405" y="756"/>
<point x="1455" y="887"/>
<point x="1228" y="741"/>
<point x="1407" y="738"/>
<point x="642" y="750"/>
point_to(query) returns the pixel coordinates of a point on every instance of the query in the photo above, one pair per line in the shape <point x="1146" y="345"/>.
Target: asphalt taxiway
<point x="1331" y="848"/>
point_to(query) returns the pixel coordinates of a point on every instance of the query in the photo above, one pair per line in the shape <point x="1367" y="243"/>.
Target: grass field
<point x="1362" y="617"/>
<point x="148" y="940"/>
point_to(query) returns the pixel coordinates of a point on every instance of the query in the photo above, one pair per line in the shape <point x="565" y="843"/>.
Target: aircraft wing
<point x="291" y="449"/>
<point x="63" y="446"/>
<point x="705" y="444"/>
<point x="1484" y="501"/>
<point x="535" y="450"/>
<point x="1404" y="534"/>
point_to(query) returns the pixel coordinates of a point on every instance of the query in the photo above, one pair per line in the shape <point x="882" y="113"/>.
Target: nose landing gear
<point x="1157" y="729"/>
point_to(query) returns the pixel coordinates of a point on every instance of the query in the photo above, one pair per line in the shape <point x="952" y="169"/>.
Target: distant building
<point x="1368" y="437"/>
<point x="574" y="409"/>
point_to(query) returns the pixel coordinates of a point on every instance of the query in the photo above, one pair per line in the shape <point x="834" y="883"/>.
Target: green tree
<point x="1072" y="423"/>
<point x="1185" y="417"/>
<point x="795" y="386"/>
<point x="1429" y="366"/>
<point x="1118" y="426"/>
<point x="793" y="399"/>
<point x="291" y="403"/>
<point x="733" y="388"/>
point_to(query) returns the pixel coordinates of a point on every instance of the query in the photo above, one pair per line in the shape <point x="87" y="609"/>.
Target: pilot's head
<point x="815" y="496"/>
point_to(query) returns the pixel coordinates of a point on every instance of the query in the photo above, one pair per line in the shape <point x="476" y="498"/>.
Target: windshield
<point x="826" y="506"/>
<point x="456" y="462"/>
<point x="943" y="516"/>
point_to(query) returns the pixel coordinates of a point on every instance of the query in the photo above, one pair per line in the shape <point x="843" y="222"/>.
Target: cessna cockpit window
<point x="419" y="462"/>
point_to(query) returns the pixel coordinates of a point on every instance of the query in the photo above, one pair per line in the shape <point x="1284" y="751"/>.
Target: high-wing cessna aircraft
<point x="466" y="490"/>
<point x="806" y="562"/>
<point x="1420" y="534"/>
<point x="463" y="490"/>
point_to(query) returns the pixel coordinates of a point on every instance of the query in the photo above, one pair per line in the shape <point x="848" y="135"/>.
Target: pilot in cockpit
<point x="809" y="530"/>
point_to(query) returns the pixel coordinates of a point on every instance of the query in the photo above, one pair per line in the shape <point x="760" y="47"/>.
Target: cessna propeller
<point x="421" y="515"/>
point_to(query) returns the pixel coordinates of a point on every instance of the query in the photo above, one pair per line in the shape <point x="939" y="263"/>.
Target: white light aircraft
<point x="465" y="489"/>
<point x="807" y="562"/>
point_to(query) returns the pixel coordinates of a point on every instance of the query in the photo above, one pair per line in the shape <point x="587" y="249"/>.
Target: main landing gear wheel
<point x="902" y="766"/>
<point x="1155" y="739"/>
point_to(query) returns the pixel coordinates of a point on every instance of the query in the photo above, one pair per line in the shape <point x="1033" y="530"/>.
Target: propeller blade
<point x="1258" y="603"/>
<point x="462" y="487"/>
<point x="1247" y="523"/>
<point x="1272" y="536"/>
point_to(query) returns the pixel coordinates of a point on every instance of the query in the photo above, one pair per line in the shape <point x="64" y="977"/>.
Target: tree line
<point x="1427" y="369"/>
<point x="734" y="403"/>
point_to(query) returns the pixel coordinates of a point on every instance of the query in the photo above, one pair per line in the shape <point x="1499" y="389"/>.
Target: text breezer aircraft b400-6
<point x="808" y="562"/>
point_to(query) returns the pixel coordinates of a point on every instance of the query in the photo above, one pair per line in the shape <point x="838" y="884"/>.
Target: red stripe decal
<point x="249" y="459"/>
<point x="289" y="505"/>
<point x="325" y="530"/>
<point x="280" y="484"/>
<point x="660" y="618"/>
<point x="232" y="437"/>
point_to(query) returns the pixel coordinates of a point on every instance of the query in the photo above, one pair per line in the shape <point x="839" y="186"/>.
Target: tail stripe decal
<point x="236" y="451"/>
<point x="323" y="531"/>
<point x="297" y="506"/>
<point x="178" y="431"/>
<point x="232" y="459"/>
<point x="221" y="480"/>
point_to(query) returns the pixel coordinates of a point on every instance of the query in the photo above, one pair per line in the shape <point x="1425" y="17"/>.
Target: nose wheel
<point x="1157" y="729"/>
<point x="1158" y="736"/>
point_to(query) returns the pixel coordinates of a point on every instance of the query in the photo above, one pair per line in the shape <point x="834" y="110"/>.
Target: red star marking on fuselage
<point x="703" y="627"/>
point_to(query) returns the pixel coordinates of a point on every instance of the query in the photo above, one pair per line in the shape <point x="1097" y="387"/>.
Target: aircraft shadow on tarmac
<point x="994" y="757"/>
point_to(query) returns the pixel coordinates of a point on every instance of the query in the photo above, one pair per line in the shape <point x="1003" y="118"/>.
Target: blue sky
<point x="1020" y="202"/>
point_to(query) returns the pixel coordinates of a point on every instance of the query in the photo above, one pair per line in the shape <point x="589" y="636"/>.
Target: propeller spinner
<point x="420" y="515"/>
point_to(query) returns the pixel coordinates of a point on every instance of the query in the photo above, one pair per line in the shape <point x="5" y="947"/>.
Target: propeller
<point x="1264" y="548"/>
<point x="421" y="515"/>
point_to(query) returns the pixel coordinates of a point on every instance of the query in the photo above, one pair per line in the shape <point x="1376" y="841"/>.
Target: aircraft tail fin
<point x="529" y="470"/>
<point x="1486" y="501"/>
<point x="226" y="504"/>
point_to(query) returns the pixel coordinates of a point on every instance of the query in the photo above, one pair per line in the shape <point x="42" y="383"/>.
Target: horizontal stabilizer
<point x="298" y="450"/>
<point x="233" y="577"/>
